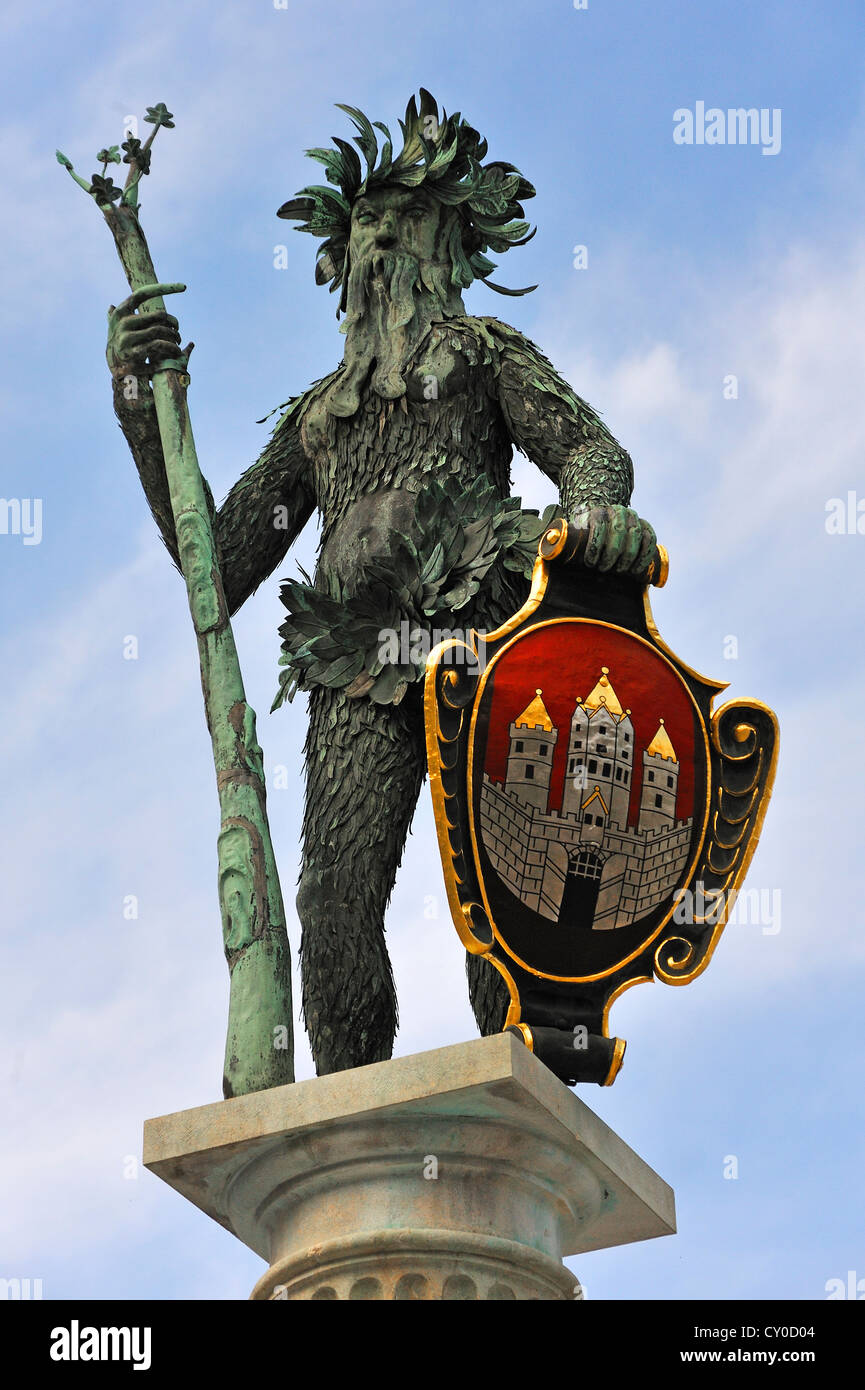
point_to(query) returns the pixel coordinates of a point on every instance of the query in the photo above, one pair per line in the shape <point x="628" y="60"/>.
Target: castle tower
<point x="660" y="782"/>
<point x="623" y="771"/>
<point x="576" y="778"/>
<point x="530" y="761"/>
<point x="600" y="756"/>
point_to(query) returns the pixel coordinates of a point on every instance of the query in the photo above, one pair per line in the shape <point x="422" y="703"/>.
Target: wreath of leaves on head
<point x="342" y="637"/>
<point x="444" y="154"/>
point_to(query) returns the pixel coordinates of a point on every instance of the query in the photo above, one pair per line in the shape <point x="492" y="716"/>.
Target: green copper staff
<point x="259" y="1050"/>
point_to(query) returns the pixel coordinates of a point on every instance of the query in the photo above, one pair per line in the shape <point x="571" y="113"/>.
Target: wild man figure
<point x="405" y="450"/>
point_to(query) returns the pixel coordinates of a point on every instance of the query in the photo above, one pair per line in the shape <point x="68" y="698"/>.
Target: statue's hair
<point x="442" y="153"/>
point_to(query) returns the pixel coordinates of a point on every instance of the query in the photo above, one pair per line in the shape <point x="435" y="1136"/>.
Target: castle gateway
<point x="582" y="859"/>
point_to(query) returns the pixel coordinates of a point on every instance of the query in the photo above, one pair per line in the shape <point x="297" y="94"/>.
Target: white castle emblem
<point x="584" y="865"/>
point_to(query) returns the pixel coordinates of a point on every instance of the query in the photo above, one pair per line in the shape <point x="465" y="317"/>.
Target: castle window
<point x="658" y="799"/>
<point x="518" y="746"/>
<point x="599" y="820"/>
<point x="651" y="776"/>
<point x="587" y="818"/>
<point x="618" y="774"/>
<point x="626" y="754"/>
<point x="572" y="764"/>
<point x="593" y="764"/>
<point x="578" y="743"/>
<point x="542" y="751"/>
<point x="600" y="748"/>
<point x="530" y="772"/>
<point x="602" y="729"/>
<point x="605" y="770"/>
<point x="627" y="775"/>
<point x="669" y="781"/>
<point x="627" y="738"/>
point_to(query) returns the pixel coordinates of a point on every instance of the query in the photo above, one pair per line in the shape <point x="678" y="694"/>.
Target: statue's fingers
<point x="126" y="352"/>
<point x="578" y="525"/>
<point x="616" y="527"/>
<point x="648" y="547"/>
<point x="150" y="350"/>
<point x="632" y="542"/>
<point x="596" y="537"/>
<point x="134" y="337"/>
<point x="156" y="318"/>
<point x="161" y="348"/>
<point x="129" y="305"/>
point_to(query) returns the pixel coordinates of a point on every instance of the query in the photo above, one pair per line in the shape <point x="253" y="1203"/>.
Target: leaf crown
<point x="442" y="152"/>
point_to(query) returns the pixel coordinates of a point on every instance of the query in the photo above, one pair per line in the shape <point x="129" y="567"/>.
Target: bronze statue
<point x="405" y="450"/>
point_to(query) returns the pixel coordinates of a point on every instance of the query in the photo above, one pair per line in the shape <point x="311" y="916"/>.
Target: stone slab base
<point x="468" y="1172"/>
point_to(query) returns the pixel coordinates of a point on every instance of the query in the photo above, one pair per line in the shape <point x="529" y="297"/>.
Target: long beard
<point x="391" y="298"/>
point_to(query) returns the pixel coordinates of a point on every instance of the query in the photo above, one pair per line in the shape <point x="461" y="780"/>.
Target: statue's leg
<point x="488" y="994"/>
<point x="364" y="768"/>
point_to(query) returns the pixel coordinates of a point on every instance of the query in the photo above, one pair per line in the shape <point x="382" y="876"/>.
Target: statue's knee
<point x="309" y="900"/>
<point x="322" y="901"/>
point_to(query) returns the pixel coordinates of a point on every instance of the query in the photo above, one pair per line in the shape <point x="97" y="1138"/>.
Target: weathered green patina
<point x="405" y="450"/>
<point x="259" y="1051"/>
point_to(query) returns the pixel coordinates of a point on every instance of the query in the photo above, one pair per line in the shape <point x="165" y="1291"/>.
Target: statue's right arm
<point x="270" y="503"/>
<point x="260" y="518"/>
<point x="264" y="513"/>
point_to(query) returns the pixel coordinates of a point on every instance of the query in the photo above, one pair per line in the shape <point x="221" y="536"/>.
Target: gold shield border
<point x="674" y="959"/>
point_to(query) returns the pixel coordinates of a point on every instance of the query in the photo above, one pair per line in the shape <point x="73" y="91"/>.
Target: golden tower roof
<point x="661" y="747"/>
<point x="604" y="696"/>
<point x="535" y="716"/>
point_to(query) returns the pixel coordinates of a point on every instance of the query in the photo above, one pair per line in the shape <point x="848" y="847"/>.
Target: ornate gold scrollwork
<point x="745" y="739"/>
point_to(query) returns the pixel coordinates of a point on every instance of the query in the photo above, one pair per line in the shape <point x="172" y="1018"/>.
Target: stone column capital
<point x="468" y="1172"/>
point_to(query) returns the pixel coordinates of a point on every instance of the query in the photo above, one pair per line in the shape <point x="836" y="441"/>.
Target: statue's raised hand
<point x="616" y="539"/>
<point x="139" y="343"/>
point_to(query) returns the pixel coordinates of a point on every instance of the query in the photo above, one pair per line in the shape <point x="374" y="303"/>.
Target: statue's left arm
<point x="569" y="442"/>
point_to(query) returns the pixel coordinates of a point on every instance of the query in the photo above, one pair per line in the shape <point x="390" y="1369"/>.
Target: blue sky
<point x="703" y="261"/>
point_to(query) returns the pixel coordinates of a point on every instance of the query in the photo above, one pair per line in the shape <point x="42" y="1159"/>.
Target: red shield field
<point x="588" y="786"/>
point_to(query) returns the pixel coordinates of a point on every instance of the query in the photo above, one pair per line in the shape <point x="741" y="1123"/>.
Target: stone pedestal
<point x="464" y="1173"/>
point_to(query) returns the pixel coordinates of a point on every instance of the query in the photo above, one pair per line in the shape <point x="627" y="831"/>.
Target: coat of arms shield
<point x="595" y="817"/>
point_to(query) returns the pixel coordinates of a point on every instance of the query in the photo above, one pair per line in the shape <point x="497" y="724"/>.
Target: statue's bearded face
<point x="403" y="220"/>
<point x="399" y="280"/>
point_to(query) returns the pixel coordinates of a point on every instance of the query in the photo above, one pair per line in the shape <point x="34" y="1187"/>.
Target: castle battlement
<point x="540" y="851"/>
